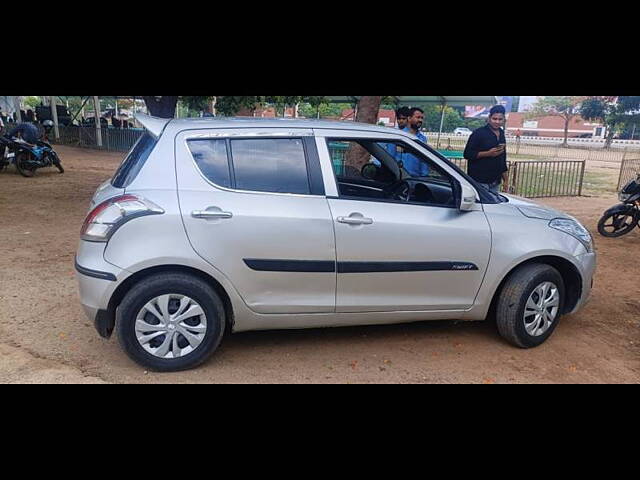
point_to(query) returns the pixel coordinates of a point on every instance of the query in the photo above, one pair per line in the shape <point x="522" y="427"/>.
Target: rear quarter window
<point x="212" y="160"/>
<point x="134" y="161"/>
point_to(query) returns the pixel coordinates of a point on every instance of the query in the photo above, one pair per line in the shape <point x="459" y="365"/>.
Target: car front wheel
<point x="530" y="305"/>
<point x="170" y="322"/>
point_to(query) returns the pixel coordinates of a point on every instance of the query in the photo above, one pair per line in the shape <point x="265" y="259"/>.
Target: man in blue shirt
<point x="413" y="166"/>
<point x="411" y="163"/>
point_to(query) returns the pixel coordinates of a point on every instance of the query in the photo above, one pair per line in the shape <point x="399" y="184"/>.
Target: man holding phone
<point x="486" y="152"/>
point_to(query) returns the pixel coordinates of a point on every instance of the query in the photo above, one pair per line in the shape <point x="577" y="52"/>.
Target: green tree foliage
<point x="228" y="106"/>
<point x="281" y="103"/>
<point x="432" y="116"/>
<point x="308" y="110"/>
<point x="31" y="102"/>
<point x="197" y="103"/>
<point x="616" y="113"/>
<point x="474" y="123"/>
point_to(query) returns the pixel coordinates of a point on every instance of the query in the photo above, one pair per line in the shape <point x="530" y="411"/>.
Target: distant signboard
<point x="530" y="124"/>
<point x="526" y="103"/>
<point x="475" y="111"/>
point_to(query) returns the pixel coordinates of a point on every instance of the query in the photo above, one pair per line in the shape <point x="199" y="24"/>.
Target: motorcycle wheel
<point x="616" y="224"/>
<point x="21" y="159"/>
<point x="56" y="163"/>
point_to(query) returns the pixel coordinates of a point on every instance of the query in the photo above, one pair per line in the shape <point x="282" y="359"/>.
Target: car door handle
<point x="211" y="212"/>
<point x="355" y="220"/>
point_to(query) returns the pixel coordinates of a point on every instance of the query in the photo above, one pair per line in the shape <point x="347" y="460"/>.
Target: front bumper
<point x="587" y="264"/>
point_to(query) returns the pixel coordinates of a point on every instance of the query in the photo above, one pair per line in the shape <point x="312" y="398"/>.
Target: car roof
<point x="155" y="124"/>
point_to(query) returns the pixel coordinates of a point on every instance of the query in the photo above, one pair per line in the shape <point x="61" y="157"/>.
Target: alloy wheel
<point x="541" y="309"/>
<point x="171" y="326"/>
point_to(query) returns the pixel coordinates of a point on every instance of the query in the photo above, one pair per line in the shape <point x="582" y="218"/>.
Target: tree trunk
<point x="609" y="138"/>
<point x="368" y="108"/>
<point x="367" y="112"/>
<point x="163" y="107"/>
<point x="566" y="131"/>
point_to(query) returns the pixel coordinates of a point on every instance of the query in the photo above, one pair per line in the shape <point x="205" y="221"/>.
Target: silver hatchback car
<point x="226" y="225"/>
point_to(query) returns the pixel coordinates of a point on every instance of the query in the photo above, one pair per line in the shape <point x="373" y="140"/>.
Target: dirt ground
<point x="46" y="338"/>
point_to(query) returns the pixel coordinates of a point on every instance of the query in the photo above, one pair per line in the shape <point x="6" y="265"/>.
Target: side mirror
<point x="467" y="198"/>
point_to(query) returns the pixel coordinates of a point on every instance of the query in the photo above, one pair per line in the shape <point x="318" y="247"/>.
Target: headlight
<point x="623" y="197"/>
<point x="574" y="229"/>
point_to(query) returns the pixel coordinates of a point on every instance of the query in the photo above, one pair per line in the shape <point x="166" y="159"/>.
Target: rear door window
<point x="134" y="161"/>
<point x="270" y="165"/>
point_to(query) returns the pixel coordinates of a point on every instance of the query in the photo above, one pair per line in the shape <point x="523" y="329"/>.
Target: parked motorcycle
<point x="27" y="157"/>
<point x="625" y="216"/>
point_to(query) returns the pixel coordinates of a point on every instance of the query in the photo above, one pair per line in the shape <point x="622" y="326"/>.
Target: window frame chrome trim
<point x="239" y="136"/>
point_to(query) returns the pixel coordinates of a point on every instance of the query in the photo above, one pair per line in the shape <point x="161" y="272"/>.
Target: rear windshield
<point x="133" y="162"/>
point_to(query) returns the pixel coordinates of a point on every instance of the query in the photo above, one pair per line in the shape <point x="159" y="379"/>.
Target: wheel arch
<point x="126" y="285"/>
<point x="570" y="276"/>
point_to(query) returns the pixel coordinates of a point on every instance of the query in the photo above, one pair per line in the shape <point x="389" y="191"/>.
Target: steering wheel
<point x="400" y="190"/>
<point x="422" y="193"/>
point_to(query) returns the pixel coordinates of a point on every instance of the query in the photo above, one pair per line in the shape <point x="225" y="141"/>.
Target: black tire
<point x="58" y="165"/>
<point x="21" y="158"/>
<point x="171" y="283"/>
<point x="616" y="218"/>
<point x="513" y="298"/>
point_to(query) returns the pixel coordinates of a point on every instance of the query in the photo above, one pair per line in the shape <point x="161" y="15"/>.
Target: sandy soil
<point x="45" y="337"/>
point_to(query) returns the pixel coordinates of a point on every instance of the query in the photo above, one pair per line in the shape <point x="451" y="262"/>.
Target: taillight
<point x="108" y="216"/>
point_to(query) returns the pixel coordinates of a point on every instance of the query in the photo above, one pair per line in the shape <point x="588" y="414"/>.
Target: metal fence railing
<point x="113" y="139"/>
<point x="523" y="149"/>
<point x="532" y="179"/>
<point x="629" y="169"/>
<point x="549" y="178"/>
<point x="543" y="178"/>
<point x="593" y="143"/>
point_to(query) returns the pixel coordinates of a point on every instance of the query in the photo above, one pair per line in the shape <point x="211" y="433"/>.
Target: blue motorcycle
<point x="27" y="157"/>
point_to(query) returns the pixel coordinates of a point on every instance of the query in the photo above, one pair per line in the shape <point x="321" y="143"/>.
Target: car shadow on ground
<point x="428" y="329"/>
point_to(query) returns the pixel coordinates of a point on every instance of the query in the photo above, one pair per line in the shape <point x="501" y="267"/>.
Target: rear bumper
<point x="104" y="321"/>
<point x="97" y="281"/>
<point x="95" y="302"/>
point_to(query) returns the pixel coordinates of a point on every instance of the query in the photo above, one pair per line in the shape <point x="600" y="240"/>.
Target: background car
<point x="462" y="131"/>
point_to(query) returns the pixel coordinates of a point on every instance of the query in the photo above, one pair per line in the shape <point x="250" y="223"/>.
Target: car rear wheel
<point x="170" y="322"/>
<point x="530" y="305"/>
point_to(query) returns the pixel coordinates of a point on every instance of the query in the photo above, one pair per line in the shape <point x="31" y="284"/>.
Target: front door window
<point x="390" y="171"/>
